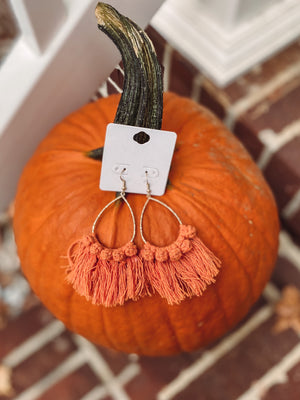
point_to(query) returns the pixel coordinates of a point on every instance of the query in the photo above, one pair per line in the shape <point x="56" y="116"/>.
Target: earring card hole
<point x="141" y="137"/>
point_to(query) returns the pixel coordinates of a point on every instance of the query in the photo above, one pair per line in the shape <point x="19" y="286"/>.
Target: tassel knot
<point x="186" y="246"/>
<point x="188" y="231"/>
<point x="148" y="252"/>
<point x="106" y="254"/>
<point x="161" y="254"/>
<point x="95" y="248"/>
<point x="174" y="252"/>
<point x="118" y="255"/>
<point x="130" y="249"/>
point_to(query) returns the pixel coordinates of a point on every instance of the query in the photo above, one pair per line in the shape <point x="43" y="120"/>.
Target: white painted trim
<point x="39" y="21"/>
<point x="38" y="90"/>
<point x="223" y="54"/>
<point x="231" y="13"/>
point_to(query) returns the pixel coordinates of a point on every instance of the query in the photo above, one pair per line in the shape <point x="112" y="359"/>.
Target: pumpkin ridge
<point x="70" y="292"/>
<point x="246" y="273"/>
<point x="69" y="320"/>
<point x="41" y="225"/>
<point x="194" y="114"/>
<point x="71" y="122"/>
<point x="102" y="115"/>
<point x="58" y="151"/>
<point x="194" y="318"/>
<point x="201" y="203"/>
<point x="39" y="228"/>
<point x="107" y="330"/>
<point x="103" y="112"/>
<point x="221" y="306"/>
<point x="232" y="251"/>
<point x="211" y="211"/>
<point x="263" y="235"/>
<point x="230" y="246"/>
<point x="245" y="270"/>
<point x="168" y="320"/>
<point x="27" y="248"/>
<point x="134" y="334"/>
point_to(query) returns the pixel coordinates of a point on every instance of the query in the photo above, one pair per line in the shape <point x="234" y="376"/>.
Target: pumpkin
<point x="213" y="185"/>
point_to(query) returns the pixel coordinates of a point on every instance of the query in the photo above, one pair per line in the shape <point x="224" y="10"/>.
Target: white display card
<point x="123" y="152"/>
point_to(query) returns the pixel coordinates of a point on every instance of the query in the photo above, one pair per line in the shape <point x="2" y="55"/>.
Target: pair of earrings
<point x="110" y="277"/>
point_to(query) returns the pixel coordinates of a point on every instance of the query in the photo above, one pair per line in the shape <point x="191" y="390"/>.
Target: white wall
<point x="225" y="38"/>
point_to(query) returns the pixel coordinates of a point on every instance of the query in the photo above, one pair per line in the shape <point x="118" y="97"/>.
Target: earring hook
<point x="148" y="190"/>
<point x="121" y="196"/>
<point x="149" y="197"/>
<point x="123" y="189"/>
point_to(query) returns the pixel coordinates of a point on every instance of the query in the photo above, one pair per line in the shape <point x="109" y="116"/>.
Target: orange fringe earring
<point x="103" y="275"/>
<point x="183" y="269"/>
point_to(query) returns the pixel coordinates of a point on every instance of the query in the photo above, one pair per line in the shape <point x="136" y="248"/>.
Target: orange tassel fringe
<point x="110" y="277"/>
<point x="183" y="269"/>
<point x="105" y="276"/>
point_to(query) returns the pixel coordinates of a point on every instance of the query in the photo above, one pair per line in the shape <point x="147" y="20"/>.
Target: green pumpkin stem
<point x="141" y="103"/>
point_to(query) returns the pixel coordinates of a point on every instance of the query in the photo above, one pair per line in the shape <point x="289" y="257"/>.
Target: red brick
<point x="164" y="369"/>
<point x="118" y="78"/>
<point x="209" y="100"/>
<point x="293" y="225"/>
<point x="248" y="138"/>
<point x="285" y="273"/>
<point x="263" y="73"/>
<point x="22" y="328"/>
<point x="42" y="362"/>
<point x="157" y="372"/>
<point x="111" y="89"/>
<point x="243" y="365"/>
<point x="73" y="386"/>
<point x="4" y="311"/>
<point x="144" y="387"/>
<point x="276" y="111"/>
<point x="182" y="74"/>
<point x="283" y="172"/>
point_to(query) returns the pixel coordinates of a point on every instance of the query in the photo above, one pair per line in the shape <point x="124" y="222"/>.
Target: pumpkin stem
<point x="141" y="103"/>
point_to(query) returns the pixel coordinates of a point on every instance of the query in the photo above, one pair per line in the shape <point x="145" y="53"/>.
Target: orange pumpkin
<point x="214" y="185"/>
